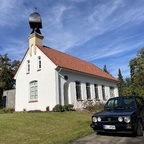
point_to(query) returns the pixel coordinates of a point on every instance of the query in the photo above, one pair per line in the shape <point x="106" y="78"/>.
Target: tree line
<point x="133" y="85"/>
<point x="8" y="69"/>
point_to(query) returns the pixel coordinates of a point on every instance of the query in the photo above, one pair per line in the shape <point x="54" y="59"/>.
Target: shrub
<point x="68" y="107"/>
<point x="7" y="110"/>
<point x="90" y="108"/>
<point x="96" y="106"/>
<point x="58" y="108"/>
<point x="34" y="111"/>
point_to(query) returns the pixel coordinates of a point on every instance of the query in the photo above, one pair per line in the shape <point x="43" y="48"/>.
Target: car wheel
<point x="139" y="131"/>
<point x="98" y="133"/>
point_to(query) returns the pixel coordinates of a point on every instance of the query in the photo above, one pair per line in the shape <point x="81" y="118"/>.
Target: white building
<point x="47" y="77"/>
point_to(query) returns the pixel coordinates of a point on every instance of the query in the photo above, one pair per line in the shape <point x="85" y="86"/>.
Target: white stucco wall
<point x="46" y="83"/>
<point x="51" y="84"/>
<point x="83" y="78"/>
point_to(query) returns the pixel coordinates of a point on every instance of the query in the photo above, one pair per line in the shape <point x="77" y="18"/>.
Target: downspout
<point x="58" y="98"/>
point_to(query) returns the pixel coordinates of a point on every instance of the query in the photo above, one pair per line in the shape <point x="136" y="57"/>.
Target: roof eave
<point x="67" y="69"/>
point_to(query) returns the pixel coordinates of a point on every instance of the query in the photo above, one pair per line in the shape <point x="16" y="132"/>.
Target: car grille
<point x="109" y="119"/>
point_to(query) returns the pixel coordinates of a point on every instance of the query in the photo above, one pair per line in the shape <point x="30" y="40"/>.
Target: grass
<point x="43" y="128"/>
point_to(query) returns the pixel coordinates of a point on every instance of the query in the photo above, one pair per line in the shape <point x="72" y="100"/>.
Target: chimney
<point x="35" y="38"/>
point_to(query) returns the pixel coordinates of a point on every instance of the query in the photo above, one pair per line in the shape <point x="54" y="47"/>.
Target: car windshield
<point x="121" y="103"/>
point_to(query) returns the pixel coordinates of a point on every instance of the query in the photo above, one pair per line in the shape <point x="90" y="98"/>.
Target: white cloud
<point x="86" y="25"/>
<point x="76" y="27"/>
<point x="12" y="12"/>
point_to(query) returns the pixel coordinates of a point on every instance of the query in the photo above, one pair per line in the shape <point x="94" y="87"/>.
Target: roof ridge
<point x="67" y="54"/>
<point x="71" y="62"/>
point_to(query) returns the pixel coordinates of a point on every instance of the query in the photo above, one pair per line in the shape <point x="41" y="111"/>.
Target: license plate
<point x="109" y="127"/>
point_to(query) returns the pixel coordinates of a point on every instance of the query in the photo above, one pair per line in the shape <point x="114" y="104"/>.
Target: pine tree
<point x="105" y="69"/>
<point x="121" y="83"/>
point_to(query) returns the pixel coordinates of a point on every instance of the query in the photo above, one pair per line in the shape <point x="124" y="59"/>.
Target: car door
<point x="140" y="103"/>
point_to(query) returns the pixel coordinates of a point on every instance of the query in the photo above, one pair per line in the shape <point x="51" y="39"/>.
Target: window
<point x="103" y="92"/>
<point x="78" y="90"/>
<point x="28" y="66"/>
<point x="88" y="92"/>
<point x="140" y="101"/>
<point x="33" y="91"/>
<point x="96" y="91"/>
<point x="112" y="103"/>
<point x="39" y="62"/>
<point x="111" y="91"/>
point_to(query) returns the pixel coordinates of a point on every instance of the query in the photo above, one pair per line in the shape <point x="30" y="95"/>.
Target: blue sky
<point x="103" y="32"/>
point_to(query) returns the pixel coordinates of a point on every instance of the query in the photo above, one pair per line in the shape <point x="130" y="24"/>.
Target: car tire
<point x="98" y="133"/>
<point x="139" y="130"/>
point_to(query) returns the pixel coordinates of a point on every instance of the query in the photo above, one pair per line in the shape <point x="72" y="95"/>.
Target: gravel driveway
<point x="109" y="139"/>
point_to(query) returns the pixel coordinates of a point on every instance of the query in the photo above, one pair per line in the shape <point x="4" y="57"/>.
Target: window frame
<point x="78" y="90"/>
<point x="88" y="91"/>
<point x="112" y="94"/>
<point x="96" y="91"/>
<point x="39" y="64"/>
<point x="33" y="91"/>
<point x="103" y="92"/>
<point x="28" y="67"/>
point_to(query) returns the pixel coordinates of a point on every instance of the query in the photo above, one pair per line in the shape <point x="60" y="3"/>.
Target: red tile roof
<point x="69" y="62"/>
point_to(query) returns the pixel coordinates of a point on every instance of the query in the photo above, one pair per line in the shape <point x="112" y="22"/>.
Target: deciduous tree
<point x="7" y="71"/>
<point x="137" y="73"/>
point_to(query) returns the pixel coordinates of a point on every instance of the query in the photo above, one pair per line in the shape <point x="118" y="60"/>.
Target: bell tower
<point x="35" y="38"/>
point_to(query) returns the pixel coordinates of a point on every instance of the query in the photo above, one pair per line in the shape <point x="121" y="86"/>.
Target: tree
<point x="137" y="73"/>
<point x="128" y="87"/>
<point x="105" y="69"/>
<point x="121" y="83"/>
<point x="7" y="71"/>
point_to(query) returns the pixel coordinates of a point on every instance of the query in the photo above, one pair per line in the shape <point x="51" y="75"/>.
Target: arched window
<point x="33" y="90"/>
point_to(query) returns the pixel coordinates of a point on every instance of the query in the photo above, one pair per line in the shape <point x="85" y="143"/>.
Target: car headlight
<point x="127" y="119"/>
<point x="120" y="119"/>
<point x="94" y="119"/>
<point x="99" y="119"/>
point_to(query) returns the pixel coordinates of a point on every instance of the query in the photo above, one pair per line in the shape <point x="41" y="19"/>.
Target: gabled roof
<point x="72" y="63"/>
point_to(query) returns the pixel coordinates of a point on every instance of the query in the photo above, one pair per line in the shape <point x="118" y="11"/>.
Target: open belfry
<point x="35" y="38"/>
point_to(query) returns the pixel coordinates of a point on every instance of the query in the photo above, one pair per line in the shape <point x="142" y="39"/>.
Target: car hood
<point x="114" y="112"/>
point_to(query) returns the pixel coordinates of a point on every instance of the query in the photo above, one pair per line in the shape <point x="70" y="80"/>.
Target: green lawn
<point x="43" y="128"/>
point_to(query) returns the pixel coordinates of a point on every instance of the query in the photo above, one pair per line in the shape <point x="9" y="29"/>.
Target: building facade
<point x="47" y="77"/>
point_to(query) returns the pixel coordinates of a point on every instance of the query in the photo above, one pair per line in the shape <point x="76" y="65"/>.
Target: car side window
<point x="112" y="103"/>
<point x="140" y="101"/>
<point x="129" y="102"/>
